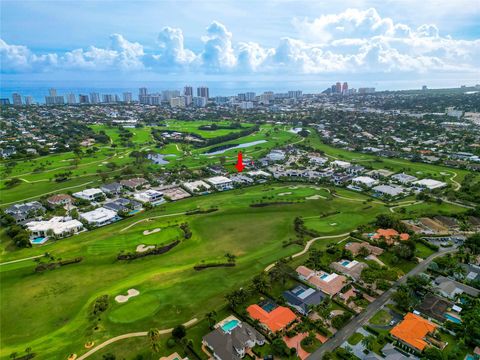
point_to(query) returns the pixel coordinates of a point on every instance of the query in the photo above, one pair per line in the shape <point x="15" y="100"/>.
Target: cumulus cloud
<point x="218" y="54"/>
<point x="351" y="41"/>
<point x="172" y="52"/>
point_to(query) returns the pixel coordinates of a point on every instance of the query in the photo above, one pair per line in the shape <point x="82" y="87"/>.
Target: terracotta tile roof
<point x="277" y="319"/>
<point x="390" y="234"/>
<point x="331" y="287"/>
<point x="412" y="331"/>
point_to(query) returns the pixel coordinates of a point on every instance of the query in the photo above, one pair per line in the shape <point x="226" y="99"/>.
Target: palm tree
<point x="211" y="318"/>
<point x="153" y="334"/>
<point x="368" y="341"/>
<point x="28" y="350"/>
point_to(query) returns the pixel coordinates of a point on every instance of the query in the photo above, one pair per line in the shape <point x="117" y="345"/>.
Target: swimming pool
<point x="324" y="276"/>
<point x="133" y="212"/>
<point x="345" y="263"/>
<point x="452" y="319"/>
<point x="38" y="240"/>
<point x="230" y="325"/>
<point x="268" y="306"/>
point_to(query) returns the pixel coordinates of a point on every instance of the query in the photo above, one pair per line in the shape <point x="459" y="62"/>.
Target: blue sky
<point x="238" y="39"/>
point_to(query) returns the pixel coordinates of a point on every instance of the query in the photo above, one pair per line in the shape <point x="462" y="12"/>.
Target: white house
<point x="404" y="178"/>
<point x="89" y="194"/>
<point x="196" y="186"/>
<point x="100" y="216"/>
<point x="220" y="183"/>
<point x="365" y="180"/>
<point x="59" y="225"/>
<point x="391" y="190"/>
<point x="151" y="196"/>
<point x="340" y="164"/>
<point x="430" y="184"/>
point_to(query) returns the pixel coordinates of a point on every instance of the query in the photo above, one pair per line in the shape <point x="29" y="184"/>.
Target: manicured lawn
<point x="382" y="317"/>
<point x="423" y="251"/>
<point x="355" y="339"/>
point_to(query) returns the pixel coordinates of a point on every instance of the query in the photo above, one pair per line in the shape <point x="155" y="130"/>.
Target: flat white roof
<point x="57" y="224"/>
<point x="88" y="192"/>
<point x="258" y="173"/>
<point x="367" y="180"/>
<point x="99" y="215"/>
<point x="195" y="185"/>
<point x="430" y="183"/>
<point x="217" y="180"/>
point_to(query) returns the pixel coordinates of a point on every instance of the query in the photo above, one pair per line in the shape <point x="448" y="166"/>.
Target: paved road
<point x="361" y="319"/>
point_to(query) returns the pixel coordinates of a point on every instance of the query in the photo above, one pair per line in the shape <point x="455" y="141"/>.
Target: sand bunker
<point x="333" y="224"/>
<point x="293" y="187"/>
<point x="142" y="248"/>
<point x="148" y="232"/>
<point x="285" y="193"/>
<point x="124" y="298"/>
<point x="315" y="197"/>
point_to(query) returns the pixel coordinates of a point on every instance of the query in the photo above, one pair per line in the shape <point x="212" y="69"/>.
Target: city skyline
<point x="367" y="40"/>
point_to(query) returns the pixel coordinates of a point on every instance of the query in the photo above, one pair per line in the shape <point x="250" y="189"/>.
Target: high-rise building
<point x="28" y="100"/>
<point x="83" y="99"/>
<point x="169" y="94"/>
<point x="178" y="101"/>
<point x="188" y="91"/>
<point x="4" y="101"/>
<point x="199" y="101"/>
<point x="246" y="105"/>
<point x="202" y="91"/>
<point x="108" y="98"/>
<point x="334" y="89"/>
<point x="295" y="94"/>
<point x="188" y="100"/>
<point x="250" y="96"/>
<point x="241" y="97"/>
<point x="345" y="88"/>
<point x="338" y="88"/>
<point x="17" y="99"/>
<point x="53" y="98"/>
<point x="117" y="98"/>
<point x="71" y="99"/>
<point x="127" y="97"/>
<point x="269" y="95"/>
<point x="142" y="95"/>
<point x="366" y="90"/>
<point x="94" y="98"/>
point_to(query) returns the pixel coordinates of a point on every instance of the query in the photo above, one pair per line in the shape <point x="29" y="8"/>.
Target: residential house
<point x="58" y="226"/>
<point x="351" y="268"/>
<point x="173" y="356"/>
<point x="232" y="339"/>
<point x="276" y="319"/>
<point x="356" y="247"/>
<point x="429" y="184"/>
<point x="198" y="186"/>
<point x="451" y="288"/>
<point x="365" y="181"/>
<point x="330" y="284"/>
<point x="302" y="298"/>
<point x="90" y="194"/>
<point x="434" y="307"/>
<point x="123" y="205"/>
<point x="113" y="188"/>
<point x="153" y="197"/>
<point x="390" y="236"/>
<point x="221" y="183"/>
<point x="388" y="190"/>
<point x="100" y="217"/>
<point x="60" y="200"/>
<point x="404" y="178"/>
<point x="134" y="184"/>
<point x="22" y="212"/>
<point x="412" y="333"/>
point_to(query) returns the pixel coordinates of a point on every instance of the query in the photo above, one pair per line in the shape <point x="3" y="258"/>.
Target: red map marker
<point x="239" y="165"/>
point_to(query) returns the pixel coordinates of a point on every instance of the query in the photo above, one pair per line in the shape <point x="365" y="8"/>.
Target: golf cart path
<point x="131" y="335"/>
<point x="24" y="259"/>
<point x="307" y="247"/>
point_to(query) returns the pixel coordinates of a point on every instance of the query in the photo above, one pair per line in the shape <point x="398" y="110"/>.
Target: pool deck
<point x="226" y="320"/>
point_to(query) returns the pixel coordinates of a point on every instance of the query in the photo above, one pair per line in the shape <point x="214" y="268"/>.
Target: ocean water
<point x="38" y="89"/>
